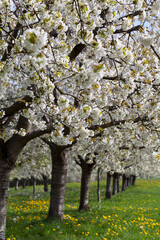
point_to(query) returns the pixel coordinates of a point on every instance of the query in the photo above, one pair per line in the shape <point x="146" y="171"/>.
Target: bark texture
<point x="108" y="186"/>
<point x="85" y="183"/>
<point x="58" y="182"/>
<point x="87" y="169"/>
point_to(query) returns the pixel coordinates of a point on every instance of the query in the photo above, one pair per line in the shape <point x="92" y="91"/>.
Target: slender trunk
<point x="108" y="185"/>
<point x="34" y="186"/>
<point x="133" y="180"/>
<point x="4" y="184"/>
<point x="131" y="177"/>
<point x="46" y="182"/>
<point x="16" y="183"/>
<point x="24" y="183"/>
<point x="124" y="182"/>
<point x="58" y="181"/>
<point x="114" y="190"/>
<point x="85" y="183"/>
<point x="128" y="181"/>
<point x="98" y="185"/>
<point x="118" y="183"/>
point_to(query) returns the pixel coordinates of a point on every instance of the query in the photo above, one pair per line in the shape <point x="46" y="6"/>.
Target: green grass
<point x="130" y="215"/>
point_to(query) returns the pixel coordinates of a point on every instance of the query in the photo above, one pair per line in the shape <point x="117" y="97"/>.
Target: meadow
<point x="130" y="215"/>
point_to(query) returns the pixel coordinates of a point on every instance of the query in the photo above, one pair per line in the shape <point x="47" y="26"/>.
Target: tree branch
<point x="155" y="52"/>
<point x="47" y="141"/>
<point x="11" y="42"/>
<point x="116" y="123"/>
<point x="76" y="51"/>
<point x="17" y="106"/>
<point x="36" y="133"/>
<point x="128" y="166"/>
<point x="135" y="28"/>
<point x="136" y="13"/>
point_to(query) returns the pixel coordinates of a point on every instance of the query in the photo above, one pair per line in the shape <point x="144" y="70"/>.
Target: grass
<point x="130" y="215"/>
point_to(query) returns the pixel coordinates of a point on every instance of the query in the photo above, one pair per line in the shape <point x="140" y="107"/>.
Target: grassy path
<point x="130" y="215"/>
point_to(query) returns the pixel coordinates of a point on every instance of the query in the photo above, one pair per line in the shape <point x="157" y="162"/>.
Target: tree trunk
<point x="24" y="183"/>
<point x="133" y="180"/>
<point x="98" y="185"/>
<point x="108" y="185"/>
<point x="58" y="182"/>
<point x="4" y="184"/>
<point x="128" y="181"/>
<point x="8" y="155"/>
<point x="118" y="183"/>
<point x="46" y="182"/>
<point x="124" y="182"/>
<point x="16" y="183"/>
<point x="114" y="190"/>
<point x="9" y="151"/>
<point x="34" y="186"/>
<point x="85" y="182"/>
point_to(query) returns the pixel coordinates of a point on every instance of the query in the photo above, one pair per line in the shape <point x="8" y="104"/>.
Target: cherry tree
<point x="86" y="156"/>
<point x="70" y="69"/>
